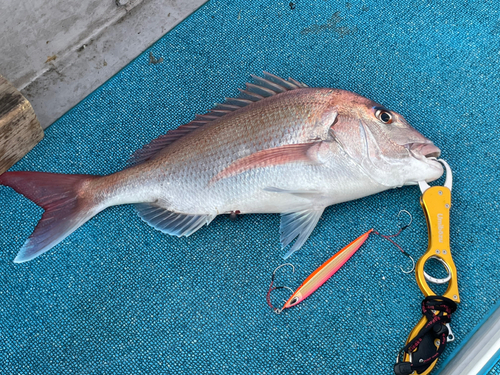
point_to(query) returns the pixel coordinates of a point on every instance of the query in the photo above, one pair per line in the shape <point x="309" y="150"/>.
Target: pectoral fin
<point x="302" y="152"/>
<point x="298" y="225"/>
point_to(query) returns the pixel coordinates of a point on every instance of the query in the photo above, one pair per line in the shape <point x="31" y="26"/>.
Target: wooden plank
<point x="20" y="130"/>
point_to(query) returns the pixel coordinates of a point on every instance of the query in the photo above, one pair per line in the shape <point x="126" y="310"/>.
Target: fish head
<point x="383" y="144"/>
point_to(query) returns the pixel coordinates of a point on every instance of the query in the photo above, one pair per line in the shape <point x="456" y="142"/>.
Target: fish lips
<point x="428" y="153"/>
<point x="423" y="150"/>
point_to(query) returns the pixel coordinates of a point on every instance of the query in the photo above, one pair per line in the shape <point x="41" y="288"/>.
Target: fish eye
<point x="294" y="301"/>
<point x="384" y="116"/>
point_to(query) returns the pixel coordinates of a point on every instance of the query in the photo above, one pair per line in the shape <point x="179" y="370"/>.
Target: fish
<point x="279" y="147"/>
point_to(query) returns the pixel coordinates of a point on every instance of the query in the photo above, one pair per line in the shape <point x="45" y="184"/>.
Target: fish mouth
<point x="423" y="150"/>
<point x="426" y="153"/>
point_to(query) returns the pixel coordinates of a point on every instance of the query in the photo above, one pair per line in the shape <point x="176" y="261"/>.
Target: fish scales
<point x="294" y="152"/>
<point x="195" y="159"/>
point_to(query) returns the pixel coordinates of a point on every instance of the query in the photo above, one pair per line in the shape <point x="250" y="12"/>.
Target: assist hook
<point x="271" y="287"/>
<point x="412" y="266"/>
<point x="411" y="219"/>
<point x="390" y="239"/>
<point x="283" y="265"/>
<point x="404" y="252"/>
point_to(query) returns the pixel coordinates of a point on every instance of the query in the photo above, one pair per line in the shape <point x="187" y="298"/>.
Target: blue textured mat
<point x="118" y="297"/>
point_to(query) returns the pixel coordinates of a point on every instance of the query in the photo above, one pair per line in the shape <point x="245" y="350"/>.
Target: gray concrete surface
<point x="57" y="52"/>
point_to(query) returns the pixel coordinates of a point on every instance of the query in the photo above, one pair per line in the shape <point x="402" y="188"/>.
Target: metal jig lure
<point x="327" y="269"/>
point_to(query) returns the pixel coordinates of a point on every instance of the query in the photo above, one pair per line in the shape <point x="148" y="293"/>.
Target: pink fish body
<point x="281" y="147"/>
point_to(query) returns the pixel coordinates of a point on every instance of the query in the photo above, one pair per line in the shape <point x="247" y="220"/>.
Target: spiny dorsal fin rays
<point x="289" y="85"/>
<point x="265" y="87"/>
<point x="239" y="102"/>
<point x="250" y="95"/>
<point x="269" y="84"/>
<point x="299" y="84"/>
<point x="262" y="88"/>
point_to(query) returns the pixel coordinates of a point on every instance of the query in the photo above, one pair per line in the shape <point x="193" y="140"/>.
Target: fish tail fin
<point x="66" y="205"/>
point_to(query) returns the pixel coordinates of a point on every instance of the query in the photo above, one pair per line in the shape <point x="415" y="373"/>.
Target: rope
<point x="437" y="310"/>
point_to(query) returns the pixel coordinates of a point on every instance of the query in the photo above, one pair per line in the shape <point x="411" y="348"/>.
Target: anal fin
<point x="173" y="223"/>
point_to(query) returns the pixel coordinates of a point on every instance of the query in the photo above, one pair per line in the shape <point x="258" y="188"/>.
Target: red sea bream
<point x="281" y="147"/>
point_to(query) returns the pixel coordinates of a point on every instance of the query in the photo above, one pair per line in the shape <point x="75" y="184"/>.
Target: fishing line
<point x="390" y="239"/>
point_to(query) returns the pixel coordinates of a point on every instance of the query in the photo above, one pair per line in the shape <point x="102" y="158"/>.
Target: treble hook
<point x="411" y="219"/>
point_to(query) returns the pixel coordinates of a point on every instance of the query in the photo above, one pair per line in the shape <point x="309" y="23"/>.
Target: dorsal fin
<point x="262" y="88"/>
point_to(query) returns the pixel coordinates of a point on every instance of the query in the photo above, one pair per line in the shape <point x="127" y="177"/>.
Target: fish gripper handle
<point x="429" y="337"/>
